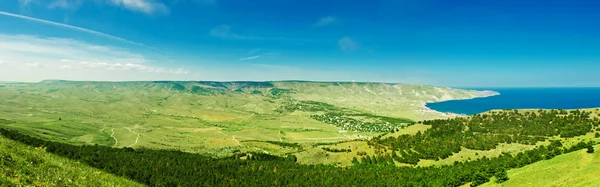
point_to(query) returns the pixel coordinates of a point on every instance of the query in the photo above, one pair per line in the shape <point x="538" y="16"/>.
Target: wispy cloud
<point x="224" y="31"/>
<point x="65" y="4"/>
<point x="70" y="27"/>
<point x="255" y="55"/>
<point x="209" y="2"/>
<point x="33" y="64"/>
<point x="326" y="21"/>
<point x="34" y="57"/>
<point x="26" y="3"/>
<point x="128" y="66"/>
<point x="150" y="7"/>
<point x="250" y="58"/>
<point x="254" y="51"/>
<point x="347" y="44"/>
<point x="144" y="6"/>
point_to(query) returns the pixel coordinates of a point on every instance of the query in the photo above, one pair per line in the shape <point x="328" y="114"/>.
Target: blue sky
<point x="464" y="43"/>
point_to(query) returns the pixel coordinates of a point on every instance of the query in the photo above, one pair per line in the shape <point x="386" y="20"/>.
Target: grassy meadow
<point x="572" y="169"/>
<point x="210" y="117"/>
<point x="22" y="165"/>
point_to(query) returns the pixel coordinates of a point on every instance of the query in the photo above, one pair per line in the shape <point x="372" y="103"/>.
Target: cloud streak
<point x="26" y="57"/>
<point x="144" y="6"/>
<point x="347" y="44"/>
<point x="224" y="31"/>
<point x="24" y="4"/>
<point x="326" y="21"/>
<point x="250" y="58"/>
<point x="65" y="4"/>
<point x="70" y="27"/>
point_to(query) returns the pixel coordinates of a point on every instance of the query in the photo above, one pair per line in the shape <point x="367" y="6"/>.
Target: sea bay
<point x="523" y="98"/>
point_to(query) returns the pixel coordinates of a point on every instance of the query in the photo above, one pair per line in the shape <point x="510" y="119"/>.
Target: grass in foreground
<point x="578" y="168"/>
<point x="22" y="165"/>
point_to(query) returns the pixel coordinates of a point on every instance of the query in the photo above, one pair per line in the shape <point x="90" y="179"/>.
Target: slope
<point x="578" y="168"/>
<point x="22" y="165"/>
<point x="215" y="118"/>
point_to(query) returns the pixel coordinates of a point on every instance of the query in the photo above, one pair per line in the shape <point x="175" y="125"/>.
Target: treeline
<point x="5" y="121"/>
<point x="488" y="167"/>
<point x="308" y="106"/>
<point x="335" y="150"/>
<point x="534" y="123"/>
<point x="279" y="143"/>
<point x="175" y="168"/>
<point x="486" y="132"/>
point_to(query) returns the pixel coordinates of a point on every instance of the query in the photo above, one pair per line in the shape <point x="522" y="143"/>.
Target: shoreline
<point x="486" y="93"/>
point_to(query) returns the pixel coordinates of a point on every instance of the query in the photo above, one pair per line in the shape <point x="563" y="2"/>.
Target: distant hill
<point x="398" y="100"/>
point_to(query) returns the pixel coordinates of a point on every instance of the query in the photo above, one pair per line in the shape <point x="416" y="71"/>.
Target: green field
<point x="215" y="118"/>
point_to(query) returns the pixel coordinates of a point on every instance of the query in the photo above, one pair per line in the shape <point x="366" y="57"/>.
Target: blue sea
<point x="524" y="98"/>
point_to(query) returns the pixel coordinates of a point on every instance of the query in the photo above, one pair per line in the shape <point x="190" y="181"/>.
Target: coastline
<point x="484" y="94"/>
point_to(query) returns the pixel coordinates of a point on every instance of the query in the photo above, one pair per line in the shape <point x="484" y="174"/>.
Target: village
<point x="351" y="124"/>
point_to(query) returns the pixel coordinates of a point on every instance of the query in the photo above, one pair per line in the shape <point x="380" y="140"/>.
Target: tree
<point x="590" y="149"/>
<point x="501" y="176"/>
<point x="479" y="179"/>
<point x="364" y="160"/>
<point x="292" y="158"/>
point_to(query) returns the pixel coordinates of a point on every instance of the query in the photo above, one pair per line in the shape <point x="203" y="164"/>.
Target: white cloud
<point x="144" y="6"/>
<point x="129" y="66"/>
<point x="65" y="49"/>
<point x="65" y="67"/>
<point x="250" y="58"/>
<point x="69" y="27"/>
<point x="347" y="44"/>
<point x="149" y="7"/>
<point x="326" y="21"/>
<point x="34" y="58"/>
<point x="33" y="65"/>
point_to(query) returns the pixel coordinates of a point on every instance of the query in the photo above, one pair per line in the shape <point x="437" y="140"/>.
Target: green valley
<point x="215" y="117"/>
<point x="271" y="131"/>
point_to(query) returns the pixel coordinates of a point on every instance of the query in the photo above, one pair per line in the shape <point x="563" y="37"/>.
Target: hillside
<point x="390" y="160"/>
<point x="572" y="169"/>
<point x="23" y="165"/>
<point x="216" y="117"/>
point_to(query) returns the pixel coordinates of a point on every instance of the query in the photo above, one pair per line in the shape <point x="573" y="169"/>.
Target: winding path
<point x="113" y="136"/>
<point x="236" y="141"/>
<point x="136" y="139"/>
<point x="280" y="139"/>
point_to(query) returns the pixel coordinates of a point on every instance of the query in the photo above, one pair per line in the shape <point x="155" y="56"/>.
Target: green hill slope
<point x="216" y="118"/>
<point x="578" y="168"/>
<point x="22" y="165"/>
